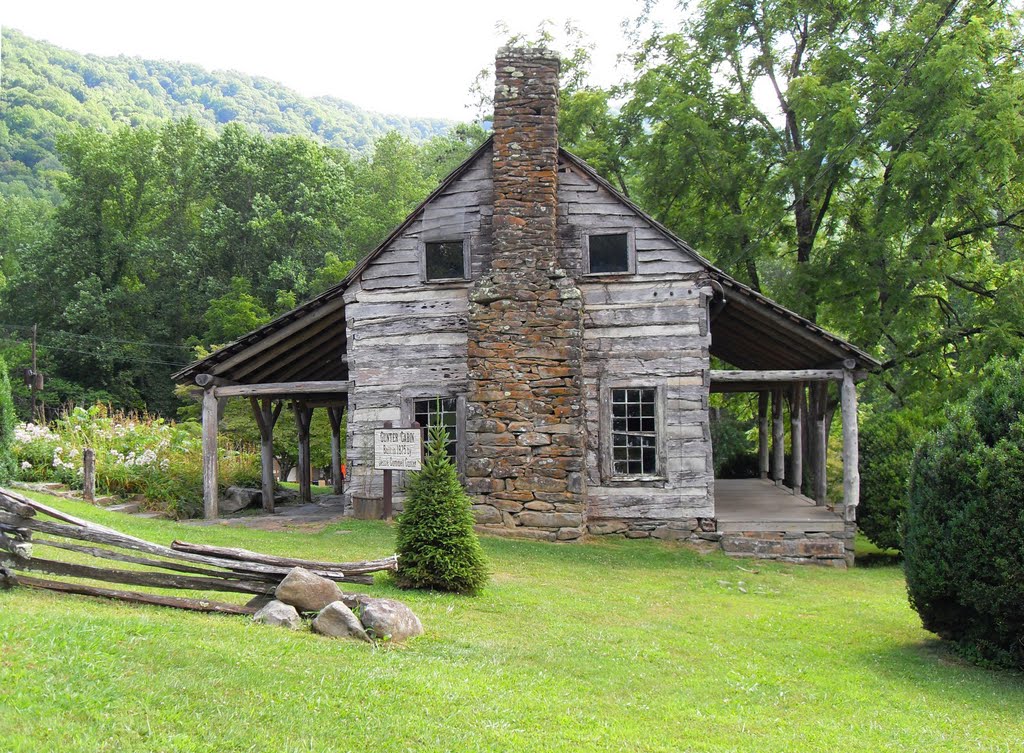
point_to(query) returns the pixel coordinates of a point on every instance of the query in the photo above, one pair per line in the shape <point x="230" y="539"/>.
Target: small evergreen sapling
<point x="437" y="546"/>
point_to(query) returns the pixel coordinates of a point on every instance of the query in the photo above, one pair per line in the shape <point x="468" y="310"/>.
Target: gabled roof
<point x="230" y="361"/>
<point x="750" y="330"/>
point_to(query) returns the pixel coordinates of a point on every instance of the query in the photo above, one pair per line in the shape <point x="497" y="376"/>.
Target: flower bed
<point x="135" y="455"/>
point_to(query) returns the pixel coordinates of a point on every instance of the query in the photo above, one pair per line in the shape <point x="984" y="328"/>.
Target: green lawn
<point x="617" y="645"/>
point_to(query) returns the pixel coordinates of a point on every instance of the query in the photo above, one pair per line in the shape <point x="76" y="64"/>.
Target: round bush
<point x="964" y="530"/>
<point x="437" y="546"/>
<point x="887" y="442"/>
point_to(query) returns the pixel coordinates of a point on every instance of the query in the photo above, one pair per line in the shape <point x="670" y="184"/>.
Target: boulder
<point x="259" y="601"/>
<point x="387" y="619"/>
<point x="280" y="614"/>
<point x="338" y="621"/>
<point x="307" y="591"/>
<point x="236" y="499"/>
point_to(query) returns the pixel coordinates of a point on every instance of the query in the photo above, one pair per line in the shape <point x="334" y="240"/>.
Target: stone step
<point x="129" y="508"/>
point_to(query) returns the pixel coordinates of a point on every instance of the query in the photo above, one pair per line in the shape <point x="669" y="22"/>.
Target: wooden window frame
<point x="466" y="261"/>
<point x="630" y="234"/>
<point x="409" y="415"/>
<point x="607" y="464"/>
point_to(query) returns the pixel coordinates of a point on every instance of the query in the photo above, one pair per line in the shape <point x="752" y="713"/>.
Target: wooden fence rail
<point x="192" y="567"/>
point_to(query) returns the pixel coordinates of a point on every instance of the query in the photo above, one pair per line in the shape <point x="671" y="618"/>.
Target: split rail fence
<point x="31" y="533"/>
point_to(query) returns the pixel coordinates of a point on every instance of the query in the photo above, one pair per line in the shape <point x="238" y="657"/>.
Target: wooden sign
<point x="397" y="449"/>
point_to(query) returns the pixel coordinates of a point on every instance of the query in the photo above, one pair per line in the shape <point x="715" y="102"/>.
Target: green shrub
<point x="7" y="421"/>
<point x="437" y="546"/>
<point x="734" y="453"/>
<point x="964" y="530"/>
<point x="887" y="442"/>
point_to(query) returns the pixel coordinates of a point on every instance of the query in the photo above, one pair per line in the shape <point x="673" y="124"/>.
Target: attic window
<point x="445" y="260"/>
<point x="609" y="253"/>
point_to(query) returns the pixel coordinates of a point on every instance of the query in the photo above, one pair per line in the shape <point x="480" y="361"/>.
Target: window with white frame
<point x="634" y="431"/>
<point x="443" y="411"/>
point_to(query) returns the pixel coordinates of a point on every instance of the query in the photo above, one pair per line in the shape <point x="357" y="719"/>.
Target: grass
<point x="615" y="645"/>
<point x="294" y="486"/>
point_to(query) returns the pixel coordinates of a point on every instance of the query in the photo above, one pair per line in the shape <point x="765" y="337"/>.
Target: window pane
<point x="609" y="253"/>
<point x="635" y="437"/>
<point x="445" y="260"/>
<point x="435" y="411"/>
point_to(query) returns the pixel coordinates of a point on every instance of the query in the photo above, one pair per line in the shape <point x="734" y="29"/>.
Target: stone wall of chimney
<point x="525" y="427"/>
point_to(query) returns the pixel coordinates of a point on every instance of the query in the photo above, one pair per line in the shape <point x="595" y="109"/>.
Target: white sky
<point x="392" y="56"/>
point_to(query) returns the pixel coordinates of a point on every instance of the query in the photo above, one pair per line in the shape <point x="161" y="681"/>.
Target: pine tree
<point x="7" y="421"/>
<point x="437" y="546"/>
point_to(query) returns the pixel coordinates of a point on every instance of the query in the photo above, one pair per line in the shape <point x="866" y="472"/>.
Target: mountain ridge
<point x="45" y="89"/>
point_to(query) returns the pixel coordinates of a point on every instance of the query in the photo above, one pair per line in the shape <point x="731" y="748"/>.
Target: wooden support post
<point x="303" y="418"/>
<point x="851" y="470"/>
<point x="388" y="490"/>
<point x="335" y="414"/>
<point x="762" y="434"/>
<point x="796" y="412"/>
<point x="210" y="500"/>
<point x="266" y="419"/>
<point x="820" y="438"/>
<point x="778" y="440"/>
<point x="89" y="474"/>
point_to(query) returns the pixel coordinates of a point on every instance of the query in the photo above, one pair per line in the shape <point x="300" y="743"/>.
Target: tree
<point x="7" y="421"/>
<point x="964" y="542"/>
<point x="233" y="314"/>
<point x="860" y="162"/>
<point x="437" y="546"/>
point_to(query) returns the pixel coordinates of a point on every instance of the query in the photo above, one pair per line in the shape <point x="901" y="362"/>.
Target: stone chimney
<point x="525" y="418"/>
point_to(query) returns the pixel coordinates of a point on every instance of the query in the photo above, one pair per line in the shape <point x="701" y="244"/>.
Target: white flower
<point x="25" y="465"/>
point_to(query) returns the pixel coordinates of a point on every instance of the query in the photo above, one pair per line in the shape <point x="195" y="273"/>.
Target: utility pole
<point x="35" y="381"/>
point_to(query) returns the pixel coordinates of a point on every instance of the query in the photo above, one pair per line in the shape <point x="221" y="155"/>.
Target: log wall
<point x="648" y="329"/>
<point x="407" y="340"/>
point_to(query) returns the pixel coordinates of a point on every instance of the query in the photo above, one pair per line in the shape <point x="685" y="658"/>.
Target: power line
<point x="96" y="337"/>
<point x="95" y="355"/>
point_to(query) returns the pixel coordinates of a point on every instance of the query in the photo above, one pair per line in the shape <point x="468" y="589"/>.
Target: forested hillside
<point x="46" y="89"/>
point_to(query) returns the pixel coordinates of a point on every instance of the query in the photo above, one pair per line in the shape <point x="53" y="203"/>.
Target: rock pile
<point x="338" y="615"/>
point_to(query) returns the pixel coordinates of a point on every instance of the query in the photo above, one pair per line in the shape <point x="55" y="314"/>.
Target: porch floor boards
<point x="760" y="505"/>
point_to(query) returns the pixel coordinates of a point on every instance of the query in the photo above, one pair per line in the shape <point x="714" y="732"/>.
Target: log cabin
<point x="565" y="338"/>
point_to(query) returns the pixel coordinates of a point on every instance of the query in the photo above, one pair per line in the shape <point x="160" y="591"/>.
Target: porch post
<point x="762" y="434"/>
<point x="851" y="470"/>
<point x="778" y="439"/>
<point x="819" y="402"/>
<point x="210" y="501"/>
<point x="266" y="418"/>
<point x="334" y="413"/>
<point x="303" y="416"/>
<point x="796" y="412"/>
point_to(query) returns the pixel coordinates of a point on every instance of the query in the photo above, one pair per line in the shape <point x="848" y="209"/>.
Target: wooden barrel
<point x="367" y="507"/>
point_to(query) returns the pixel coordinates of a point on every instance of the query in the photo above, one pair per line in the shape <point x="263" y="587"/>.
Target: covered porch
<point x="803" y="377"/>
<point x="761" y="505"/>
<point x="294" y="365"/>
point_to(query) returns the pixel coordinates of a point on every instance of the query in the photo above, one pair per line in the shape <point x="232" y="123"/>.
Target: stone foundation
<point x="829" y="548"/>
<point x="697" y="532"/>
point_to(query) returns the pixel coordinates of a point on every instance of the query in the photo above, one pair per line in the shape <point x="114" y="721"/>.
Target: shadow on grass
<point x="890" y="558"/>
<point x="934" y="664"/>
